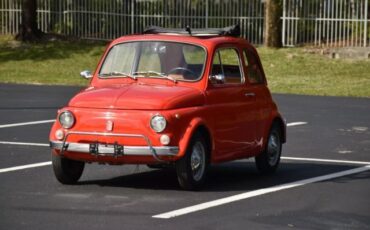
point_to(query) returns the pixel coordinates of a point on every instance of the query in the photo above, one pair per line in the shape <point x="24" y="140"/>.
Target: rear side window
<point x="226" y="63"/>
<point x="254" y="72"/>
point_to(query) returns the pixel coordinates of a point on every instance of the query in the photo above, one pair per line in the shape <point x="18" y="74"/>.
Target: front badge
<point x="109" y="126"/>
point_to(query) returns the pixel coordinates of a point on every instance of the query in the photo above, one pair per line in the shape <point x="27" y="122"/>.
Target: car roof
<point x="206" y="41"/>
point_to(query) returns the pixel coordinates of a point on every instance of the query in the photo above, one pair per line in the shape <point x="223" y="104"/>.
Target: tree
<point x="29" y="31"/>
<point x="273" y="14"/>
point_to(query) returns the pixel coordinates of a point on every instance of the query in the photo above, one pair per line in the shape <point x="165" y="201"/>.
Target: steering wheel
<point x="184" y="70"/>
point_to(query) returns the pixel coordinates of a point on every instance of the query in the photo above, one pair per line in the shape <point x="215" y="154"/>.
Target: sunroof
<point x="233" y="31"/>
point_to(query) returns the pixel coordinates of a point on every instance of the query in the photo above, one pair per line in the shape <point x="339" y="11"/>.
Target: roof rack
<point x="233" y="31"/>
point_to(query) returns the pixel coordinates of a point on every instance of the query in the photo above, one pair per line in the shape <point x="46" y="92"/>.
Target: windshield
<point x="169" y="60"/>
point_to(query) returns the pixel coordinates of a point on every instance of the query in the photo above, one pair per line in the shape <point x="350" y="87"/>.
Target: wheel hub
<point x="197" y="161"/>
<point x="273" y="149"/>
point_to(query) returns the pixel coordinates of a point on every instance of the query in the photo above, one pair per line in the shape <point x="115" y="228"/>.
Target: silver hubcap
<point x="197" y="161"/>
<point x="273" y="148"/>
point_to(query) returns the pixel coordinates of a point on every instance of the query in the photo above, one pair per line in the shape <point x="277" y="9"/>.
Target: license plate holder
<point x="115" y="149"/>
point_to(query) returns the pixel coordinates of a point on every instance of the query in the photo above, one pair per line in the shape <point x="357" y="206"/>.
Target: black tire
<point x="197" y="153"/>
<point x="67" y="171"/>
<point x="268" y="161"/>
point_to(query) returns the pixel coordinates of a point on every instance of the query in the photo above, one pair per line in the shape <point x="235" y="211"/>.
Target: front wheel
<point x="67" y="171"/>
<point x="191" y="169"/>
<point x="268" y="161"/>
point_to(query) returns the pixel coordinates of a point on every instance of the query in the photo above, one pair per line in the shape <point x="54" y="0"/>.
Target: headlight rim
<point x="63" y="124"/>
<point x="151" y="124"/>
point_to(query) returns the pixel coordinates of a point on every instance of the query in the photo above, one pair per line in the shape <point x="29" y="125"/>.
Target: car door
<point x="229" y="105"/>
<point x="257" y="88"/>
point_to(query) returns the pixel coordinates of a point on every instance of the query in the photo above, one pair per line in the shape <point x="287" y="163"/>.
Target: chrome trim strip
<point x="109" y="149"/>
<point x="150" y="146"/>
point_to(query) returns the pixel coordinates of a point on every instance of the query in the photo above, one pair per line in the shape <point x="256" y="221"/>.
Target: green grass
<point x="290" y="70"/>
<point x="52" y="63"/>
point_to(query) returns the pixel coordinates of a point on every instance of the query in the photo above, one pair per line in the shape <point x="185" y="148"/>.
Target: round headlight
<point x="66" y="119"/>
<point x="158" y="123"/>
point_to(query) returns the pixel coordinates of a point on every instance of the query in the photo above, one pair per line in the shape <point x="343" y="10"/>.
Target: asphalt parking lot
<point x="323" y="181"/>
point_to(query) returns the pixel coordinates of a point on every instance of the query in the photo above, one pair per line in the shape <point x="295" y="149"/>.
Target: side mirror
<point x="86" y="74"/>
<point x="218" y="78"/>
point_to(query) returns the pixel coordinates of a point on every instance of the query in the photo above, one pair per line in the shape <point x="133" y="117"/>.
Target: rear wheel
<point x="192" y="168"/>
<point x="268" y="161"/>
<point x="67" y="171"/>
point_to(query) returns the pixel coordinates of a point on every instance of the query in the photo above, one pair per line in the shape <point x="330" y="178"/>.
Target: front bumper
<point x="109" y="150"/>
<point x="114" y="150"/>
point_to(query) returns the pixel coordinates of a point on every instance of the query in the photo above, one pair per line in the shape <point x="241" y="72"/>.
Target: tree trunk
<point x="29" y="31"/>
<point x="273" y="12"/>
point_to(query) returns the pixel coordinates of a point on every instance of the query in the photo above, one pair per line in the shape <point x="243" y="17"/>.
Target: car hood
<point x="138" y="96"/>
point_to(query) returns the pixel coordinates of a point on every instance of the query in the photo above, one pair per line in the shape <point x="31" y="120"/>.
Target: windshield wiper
<point x="116" y="73"/>
<point x="150" y="72"/>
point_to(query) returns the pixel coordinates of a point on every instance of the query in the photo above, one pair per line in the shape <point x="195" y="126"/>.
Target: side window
<point x="226" y="63"/>
<point x="254" y="72"/>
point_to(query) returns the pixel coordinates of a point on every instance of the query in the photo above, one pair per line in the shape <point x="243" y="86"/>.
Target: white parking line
<point x="297" y="123"/>
<point x="326" y="160"/>
<point x="26" y="123"/>
<point x="246" y="195"/>
<point x="50" y="121"/>
<point x="23" y="143"/>
<point x="16" y="168"/>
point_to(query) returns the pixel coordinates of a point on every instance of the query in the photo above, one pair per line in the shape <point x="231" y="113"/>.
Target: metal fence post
<point x="61" y="24"/>
<point x="365" y="24"/>
<point x="283" y="28"/>
<point x="207" y="9"/>
<point x="132" y="16"/>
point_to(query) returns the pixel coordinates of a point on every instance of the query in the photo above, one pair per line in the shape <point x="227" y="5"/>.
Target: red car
<point x="184" y="98"/>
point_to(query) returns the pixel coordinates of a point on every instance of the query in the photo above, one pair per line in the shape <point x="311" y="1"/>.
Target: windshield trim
<point x="157" y="77"/>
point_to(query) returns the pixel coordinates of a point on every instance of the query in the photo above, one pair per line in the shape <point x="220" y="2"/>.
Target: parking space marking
<point x="259" y="192"/>
<point x="26" y="123"/>
<point x="21" y="167"/>
<point x="297" y="123"/>
<point x="326" y="160"/>
<point x="51" y="121"/>
<point x="283" y="158"/>
<point x="23" y="143"/>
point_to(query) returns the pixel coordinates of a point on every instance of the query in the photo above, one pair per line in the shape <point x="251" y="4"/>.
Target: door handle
<point x="250" y="94"/>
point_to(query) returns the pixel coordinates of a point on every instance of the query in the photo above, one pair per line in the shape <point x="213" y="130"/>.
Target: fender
<point x="194" y="124"/>
<point x="273" y="117"/>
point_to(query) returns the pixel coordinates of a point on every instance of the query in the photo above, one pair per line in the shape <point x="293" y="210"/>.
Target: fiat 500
<point x="180" y="98"/>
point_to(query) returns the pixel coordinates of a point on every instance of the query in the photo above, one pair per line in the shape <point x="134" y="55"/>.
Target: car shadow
<point x="233" y="176"/>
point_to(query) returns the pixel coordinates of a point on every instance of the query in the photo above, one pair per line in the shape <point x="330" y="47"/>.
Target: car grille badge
<point x="109" y="126"/>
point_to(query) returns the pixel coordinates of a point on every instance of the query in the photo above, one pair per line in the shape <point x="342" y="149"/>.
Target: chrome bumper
<point x="109" y="149"/>
<point x="116" y="150"/>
